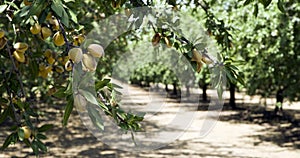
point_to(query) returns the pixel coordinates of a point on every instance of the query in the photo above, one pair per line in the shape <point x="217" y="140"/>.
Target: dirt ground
<point x="250" y="131"/>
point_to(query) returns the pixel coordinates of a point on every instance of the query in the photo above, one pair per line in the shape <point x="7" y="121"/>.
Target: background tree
<point x="268" y="44"/>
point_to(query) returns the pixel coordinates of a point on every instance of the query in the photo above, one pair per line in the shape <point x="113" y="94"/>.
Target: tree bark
<point x="232" y="95"/>
<point x="174" y="88"/>
<point x="204" y="92"/>
<point x="188" y="91"/>
<point x="279" y="99"/>
<point x="204" y="87"/>
<point x="166" y="87"/>
<point x="156" y="87"/>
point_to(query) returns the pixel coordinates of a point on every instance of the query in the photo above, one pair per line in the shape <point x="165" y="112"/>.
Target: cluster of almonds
<point x="58" y="38"/>
<point x="50" y="56"/>
<point x="19" y="52"/>
<point x="88" y="59"/>
<point x="19" y="47"/>
<point x="89" y="63"/>
<point x="45" y="32"/>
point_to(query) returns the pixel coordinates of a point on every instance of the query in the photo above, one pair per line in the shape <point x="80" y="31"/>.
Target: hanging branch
<point x="18" y="73"/>
<point x="9" y="93"/>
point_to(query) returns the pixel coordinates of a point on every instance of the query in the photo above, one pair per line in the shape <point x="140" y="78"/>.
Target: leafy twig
<point x="105" y="103"/>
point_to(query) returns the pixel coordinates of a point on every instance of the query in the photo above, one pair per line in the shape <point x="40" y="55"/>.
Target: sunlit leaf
<point x="68" y="110"/>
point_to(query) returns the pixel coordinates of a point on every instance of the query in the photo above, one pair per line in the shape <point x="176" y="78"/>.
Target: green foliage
<point x="154" y="73"/>
<point x="268" y="44"/>
<point x="265" y="3"/>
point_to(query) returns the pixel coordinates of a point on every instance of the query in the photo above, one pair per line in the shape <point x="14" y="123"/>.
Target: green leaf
<point x="280" y="6"/>
<point x="35" y="147"/>
<point x="89" y="96"/>
<point x="21" y="134"/>
<point x="41" y="136"/>
<point x="139" y="118"/>
<point x="230" y="75"/>
<point x="69" y="89"/>
<point x="14" y="128"/>
<point x="45" y="127"/>
<point x="68" y="110"/>
<point x="73" y="16"/>
<point x="233" y="67"/>
<point x="57" y="7"/>
<point x="240" y="80"/>
<point x="27" y="142"/>
<point x="13" y="5"/>
<point x="2" y="8"/>
<point x="104" y="107"/>
<point x="60" y="93"/>
<point x="59" y="10"/>
<point x="95" y="117"/>
<point x="27" y="120"/>
<point x="100" y="84"/>
<point x="34" y="69"/>
<point x="31" y="112"/>
<point x="41" y="145"/>
<point x="266" y="3"/>
<point x="24" y="11"/>
<point x="36" y="8"/>
<point x="20" y="104"/>
<point x="8" y="141"/>
<point x="43" y="15"/>
<point x="65" y="19"/>
<point x="255" y="12"/>
<point x="4" y="114"/>
<point x="247" y="2"/>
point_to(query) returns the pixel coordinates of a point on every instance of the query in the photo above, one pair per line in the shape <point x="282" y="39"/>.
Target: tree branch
<point x="15" y="69"/>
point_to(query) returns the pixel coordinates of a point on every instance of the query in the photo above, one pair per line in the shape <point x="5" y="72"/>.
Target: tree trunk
<point x="187" y="91"/>
<point x="204" y="87"/>
<point x="156" y="87"/>
<point x="166" y="87"/>
<point x="204" y="92"/>
<point x="279" y="99"/>
<point x="232" y="96"/>
<point x="174" y="88"/>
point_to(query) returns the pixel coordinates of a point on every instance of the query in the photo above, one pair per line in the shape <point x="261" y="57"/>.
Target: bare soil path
<point x="243" y="133"/>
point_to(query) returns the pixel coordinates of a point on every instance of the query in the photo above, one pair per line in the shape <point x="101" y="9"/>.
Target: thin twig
<point x="64" y="35"/>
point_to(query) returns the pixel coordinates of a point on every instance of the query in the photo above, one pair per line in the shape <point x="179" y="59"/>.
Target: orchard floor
<point x="242" y="133"/>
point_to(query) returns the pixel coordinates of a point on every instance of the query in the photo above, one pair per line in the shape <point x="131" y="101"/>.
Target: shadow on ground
<point x="281" y="129"/>
<point x="76" y="141"/>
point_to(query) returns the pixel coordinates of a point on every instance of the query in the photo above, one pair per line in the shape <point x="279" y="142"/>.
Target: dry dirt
<point x="247" y="132"/>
